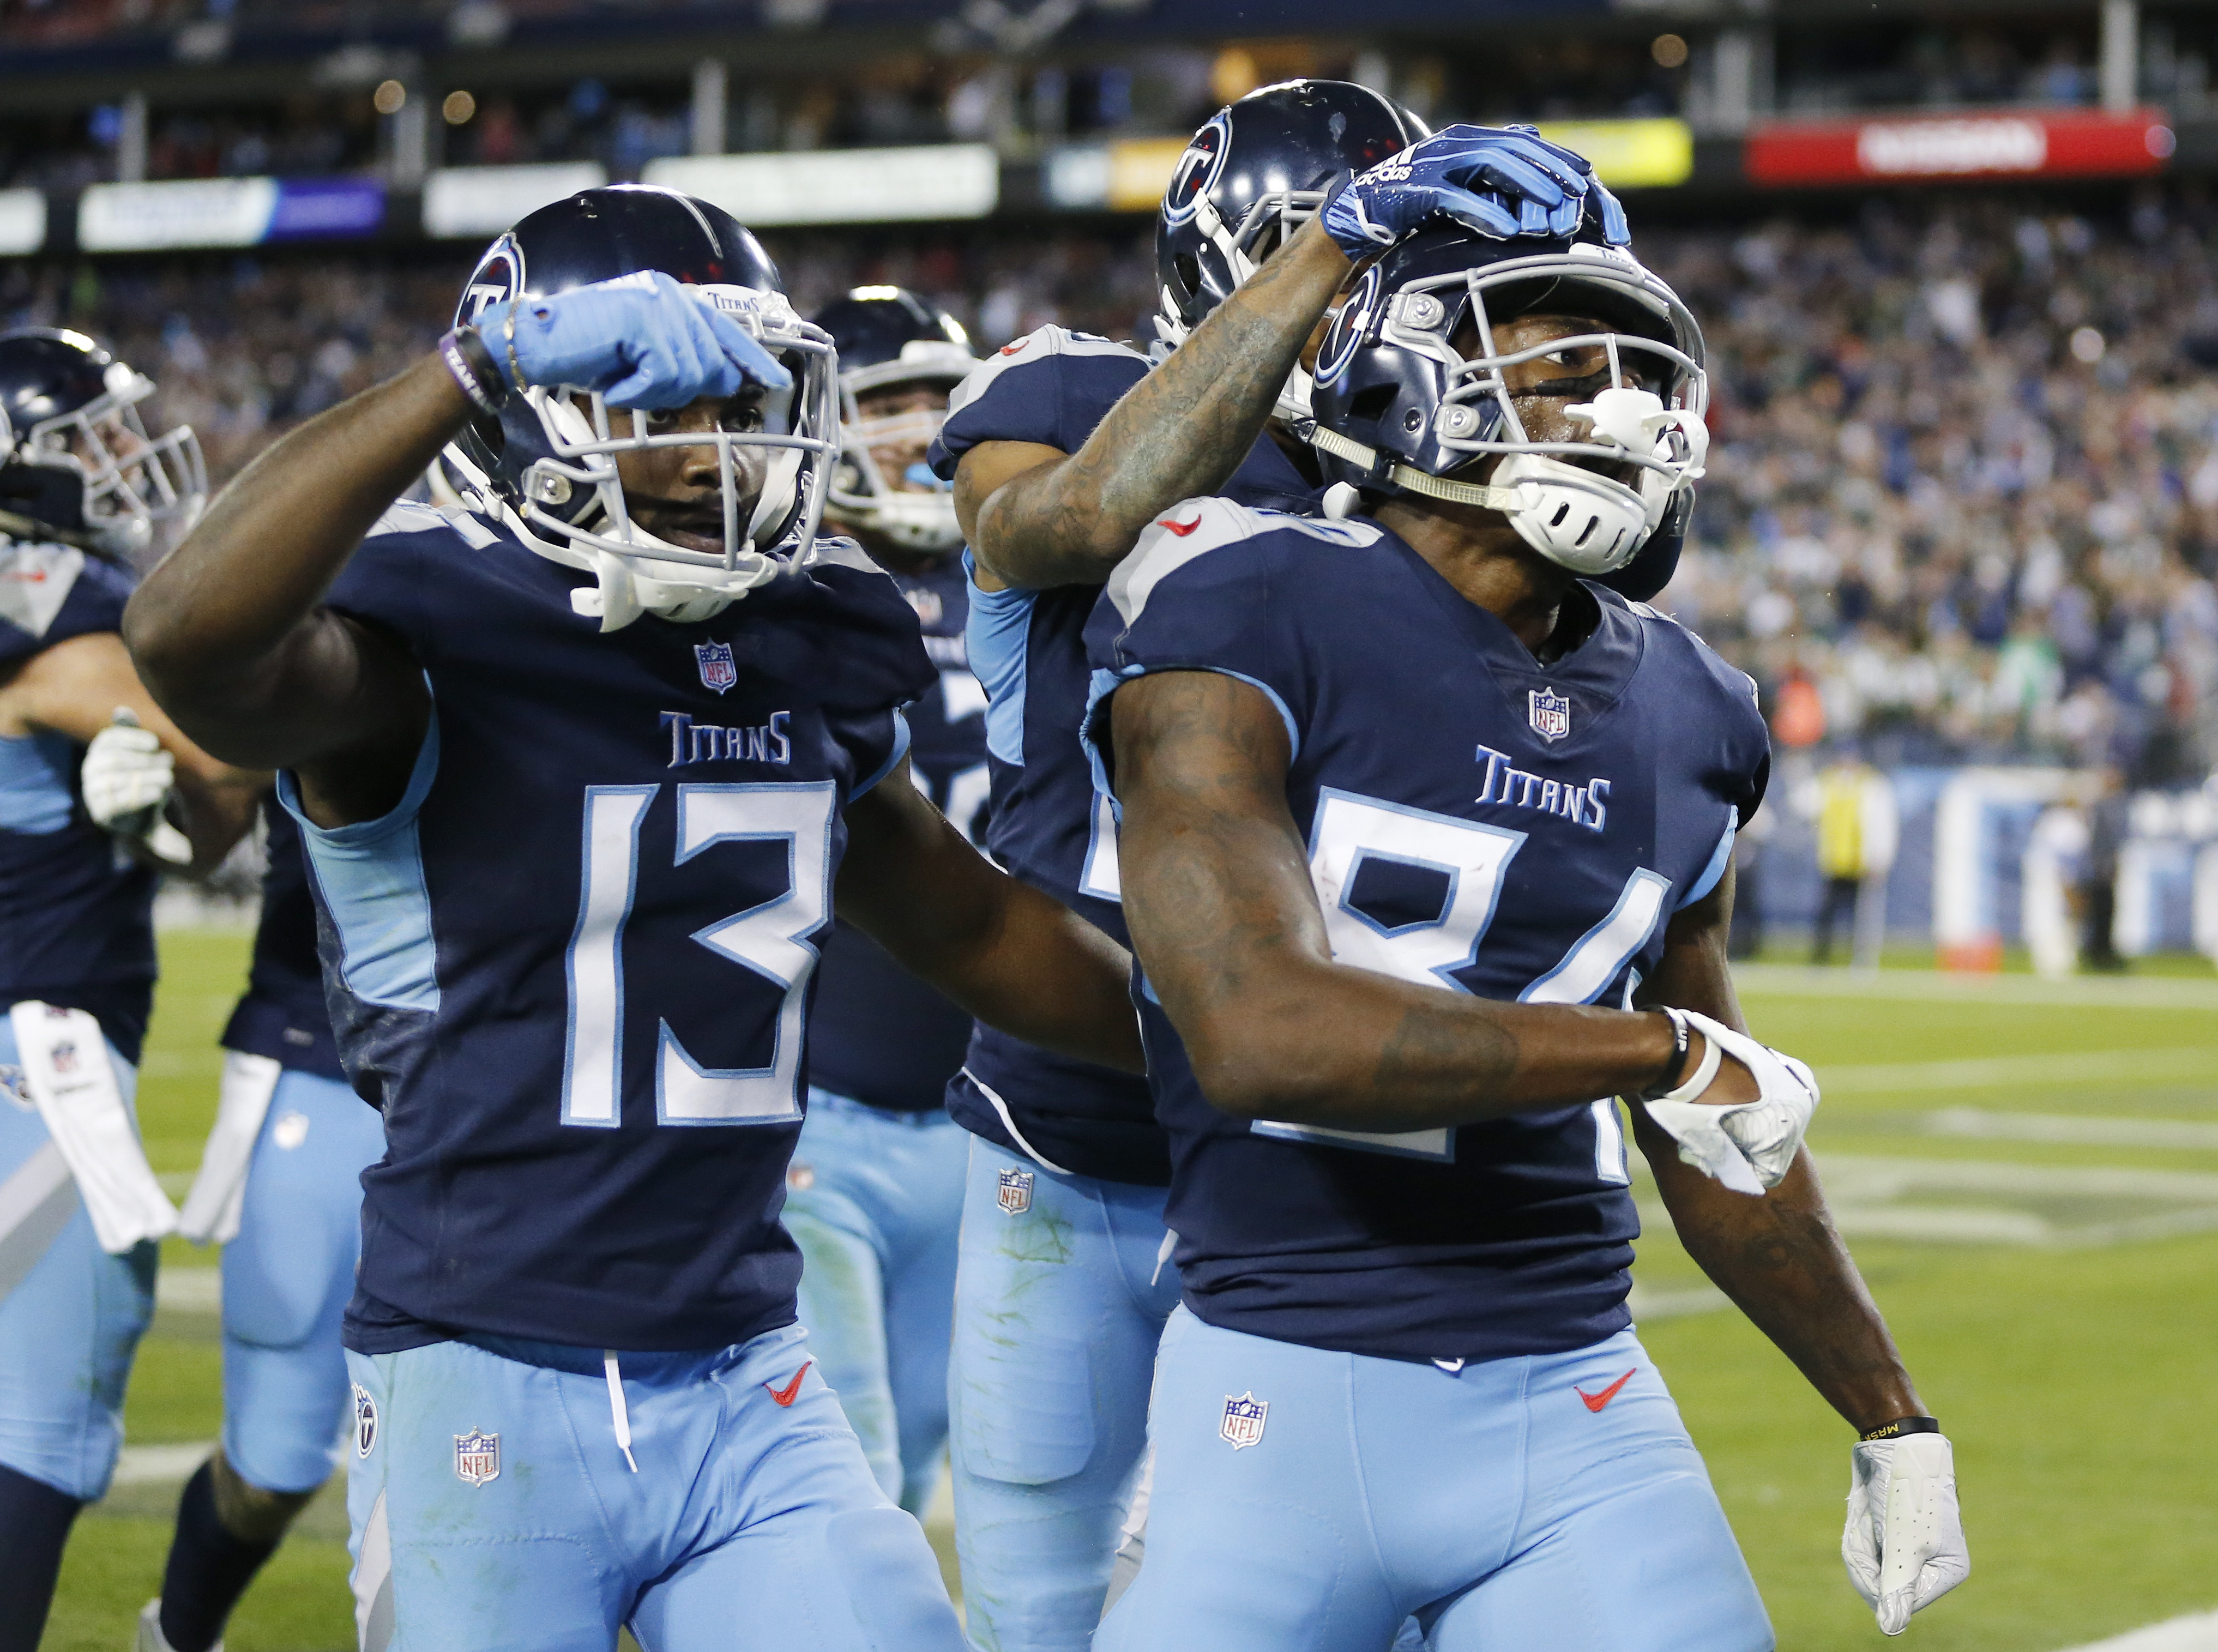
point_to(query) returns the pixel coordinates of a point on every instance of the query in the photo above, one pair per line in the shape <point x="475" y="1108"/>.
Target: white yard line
<point x="1923" y="986"/>
<point x="2123" y="1066"/>
<point x="189" y="1290"/>
<point x="1979" y="1123"/>
<point x="144" y="1465"/>
<point x="2195" y="1633"/>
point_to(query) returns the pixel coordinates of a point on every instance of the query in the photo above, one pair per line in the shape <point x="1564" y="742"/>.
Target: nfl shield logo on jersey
<point x="365" y="1421"/>
<point x="1243" y="1420"/>
<point x="1550" y="714"/>
<point x="1015" y="1192"/>
<point x="477" y="1457"/>
<point x="718" y="669"/>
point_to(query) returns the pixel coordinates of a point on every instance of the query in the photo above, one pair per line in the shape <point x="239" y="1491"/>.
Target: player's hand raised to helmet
<point x="1499" y="181"/>
<point x="643" y="340"/>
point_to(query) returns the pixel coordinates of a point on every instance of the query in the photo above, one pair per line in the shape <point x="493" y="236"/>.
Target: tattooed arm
<point x="1779" y="1258"/>
<point x="1036" y="516"/>
<point x="1225" y="920"/>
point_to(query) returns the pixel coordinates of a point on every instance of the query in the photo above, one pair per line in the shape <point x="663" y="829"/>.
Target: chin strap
<point x="1505" y="499"/>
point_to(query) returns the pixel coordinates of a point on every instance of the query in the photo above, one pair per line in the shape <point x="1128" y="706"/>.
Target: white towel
<point x="66" y="1068"/>
<point x="212" y="1209"/>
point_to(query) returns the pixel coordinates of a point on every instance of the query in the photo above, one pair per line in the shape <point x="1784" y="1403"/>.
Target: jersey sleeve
<point x="1210" y="587"/>
<point x="1051" y="387"/>
<point x="392" y="580"/>
<point x="50" y="593"/>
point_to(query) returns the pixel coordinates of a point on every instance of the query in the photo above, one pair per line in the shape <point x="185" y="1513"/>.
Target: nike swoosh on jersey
<point x="1595" y="1402"/>
<point x="1181" y="528"/>
<point x="785" y="1396"/>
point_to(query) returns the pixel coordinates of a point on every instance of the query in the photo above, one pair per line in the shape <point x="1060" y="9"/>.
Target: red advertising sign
<point x="1982" y="144"/>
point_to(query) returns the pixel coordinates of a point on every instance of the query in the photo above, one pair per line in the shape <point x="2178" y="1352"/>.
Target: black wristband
<point x="1682" y="1034"/>
<point x="1899" y="1427"/>
<point x="471" y="362"/>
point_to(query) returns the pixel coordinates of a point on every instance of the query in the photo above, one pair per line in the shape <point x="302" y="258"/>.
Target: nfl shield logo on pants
<point x="718" y="669"/>
<point x="1243" y="1420"/>
<point x="1550" y="714"/>
<point x="477" y="1457"/>
<point x="1014" y="1194"/>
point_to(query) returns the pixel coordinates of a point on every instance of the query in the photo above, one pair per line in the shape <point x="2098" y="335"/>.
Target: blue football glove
<point x="642" y="340"/>
<point x="1500" y="180"/>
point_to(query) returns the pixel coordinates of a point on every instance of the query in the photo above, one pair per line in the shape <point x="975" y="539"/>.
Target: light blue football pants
<point x="286" y="1277"/>
<point x="493" y="1509"/>
<point x="1059" y="1303"/>
<point x="875" y="1200"/>
<point x="1309" y="1501"/>
<point x="70" y="1314"/>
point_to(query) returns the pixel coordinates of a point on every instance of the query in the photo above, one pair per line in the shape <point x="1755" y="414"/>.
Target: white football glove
<point x="125" y="779"/>
<point x="1749" y="1146"/>
<point x="1904" y="1541"/>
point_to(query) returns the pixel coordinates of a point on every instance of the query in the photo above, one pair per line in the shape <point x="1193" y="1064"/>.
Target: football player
<point x="1061" y="449"/>
<point x="874" y="1191"/>
<point x="581" y="773"/>
<point x="1402" y="793"/>
<point x="90" y="773"/>
<point x="280" y="1189"/>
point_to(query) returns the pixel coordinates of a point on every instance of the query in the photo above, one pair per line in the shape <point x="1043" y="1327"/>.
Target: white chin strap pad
<point x="1585" y="522"/>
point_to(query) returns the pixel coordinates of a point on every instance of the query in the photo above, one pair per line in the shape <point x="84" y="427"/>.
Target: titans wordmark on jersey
<point x="1478" y="822"/>
<point x="1054" y="386"/>
<point x="573" y="965"/>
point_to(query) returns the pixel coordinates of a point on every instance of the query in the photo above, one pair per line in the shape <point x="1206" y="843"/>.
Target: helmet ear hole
<point x="1369" y="404"/>
<point x="1189" y="274"/>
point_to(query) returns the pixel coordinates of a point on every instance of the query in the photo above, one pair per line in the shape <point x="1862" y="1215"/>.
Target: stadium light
<point x="458" y="108"/>
<point x="390" y="98"/>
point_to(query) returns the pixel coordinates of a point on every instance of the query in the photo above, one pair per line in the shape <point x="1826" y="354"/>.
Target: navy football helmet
<point x="1256" y="173"/>
<point x="1410" y="391"/>
<point x="545" y="464"/>
<point x="76" y="461"/>
<point x="890" y="338"/>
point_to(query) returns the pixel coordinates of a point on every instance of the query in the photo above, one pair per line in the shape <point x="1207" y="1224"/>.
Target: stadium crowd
<point x="1963" y="503"/>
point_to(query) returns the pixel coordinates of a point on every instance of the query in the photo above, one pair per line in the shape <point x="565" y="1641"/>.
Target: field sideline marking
<point x="1923" y="986"/>
<point x="2197" y="1632"/>
<point x="1972" y="1073"/>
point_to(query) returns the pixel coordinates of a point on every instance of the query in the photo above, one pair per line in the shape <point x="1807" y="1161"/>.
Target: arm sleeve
<point x="1051" y="387"/>
<point x="50" y="593"/>
<point x="1206" y="589"/>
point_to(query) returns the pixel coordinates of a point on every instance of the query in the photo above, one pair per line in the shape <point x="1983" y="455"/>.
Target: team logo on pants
<point x="477" y="1457"/>
<point x="718" y="669"/>
<point x="1015" y="1193"/>
<point x="1243" y="1420"/>
<point x="1550" y="714"/>
<point x="365" y="1421"/>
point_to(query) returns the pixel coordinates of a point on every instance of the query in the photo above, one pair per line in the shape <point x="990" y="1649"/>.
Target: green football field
<point x="2029" y="1172"/>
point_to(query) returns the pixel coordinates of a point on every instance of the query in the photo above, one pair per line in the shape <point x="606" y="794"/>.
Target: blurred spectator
<point x="1859" y="827"/>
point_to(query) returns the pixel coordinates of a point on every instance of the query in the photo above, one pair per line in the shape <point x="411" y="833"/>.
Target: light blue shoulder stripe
<point x="893" y="757"/>
<point x="1719" y="858"/>
<point x="998" y="636"/>
<point x="371" y="877"/>
<point x="35" y="789"/>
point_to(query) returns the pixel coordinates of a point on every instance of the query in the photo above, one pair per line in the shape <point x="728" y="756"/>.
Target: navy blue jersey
<point x="1476" y="821"/>
<point x="77" y="924"/>
<point x="573" y="964"/>
<point x="283" y="1015"/>
<point x="1029" y="648"/>
<point x="879" y="1034"/>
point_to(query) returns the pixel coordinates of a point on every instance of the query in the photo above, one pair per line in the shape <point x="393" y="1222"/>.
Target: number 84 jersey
<point x="1476" y="822"/>
<point x="573" y="966"/>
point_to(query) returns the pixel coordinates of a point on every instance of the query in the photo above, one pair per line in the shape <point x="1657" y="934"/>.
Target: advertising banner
<point x="1983" y="144"/>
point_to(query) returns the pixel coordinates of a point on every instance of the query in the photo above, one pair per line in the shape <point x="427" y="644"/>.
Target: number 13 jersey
<point x="573" y="965"/>
<point x="1478" y="822"/>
